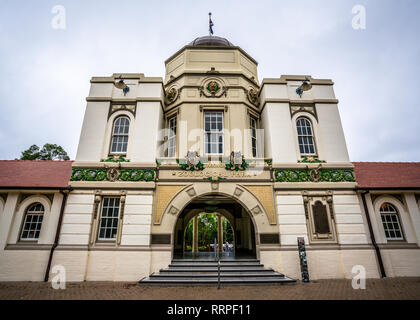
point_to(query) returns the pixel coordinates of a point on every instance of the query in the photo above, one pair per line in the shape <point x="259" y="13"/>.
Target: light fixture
<point x="305" y="86"/>
<point x="121" y="85"/>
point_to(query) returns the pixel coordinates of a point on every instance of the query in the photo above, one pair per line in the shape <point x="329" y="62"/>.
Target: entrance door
<point x="213" y="224"/>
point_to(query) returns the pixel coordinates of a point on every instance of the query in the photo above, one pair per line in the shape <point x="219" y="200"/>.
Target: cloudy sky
<point x="45" y="72"/>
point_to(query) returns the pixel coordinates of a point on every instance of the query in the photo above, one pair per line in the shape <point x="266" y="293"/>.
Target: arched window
<point x="305" y="136"/>
<point x="391" y="222"/>
<point x="33" y="222"/>
<point x="119" y="139"/>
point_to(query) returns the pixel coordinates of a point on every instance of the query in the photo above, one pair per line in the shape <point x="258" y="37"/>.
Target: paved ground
<point x="392" y="288"/>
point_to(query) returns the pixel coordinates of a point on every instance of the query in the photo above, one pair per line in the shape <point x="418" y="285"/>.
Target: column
<point x="195" y="235"/>
<point x="6" y="219"/>
<point x="414" y="215"/>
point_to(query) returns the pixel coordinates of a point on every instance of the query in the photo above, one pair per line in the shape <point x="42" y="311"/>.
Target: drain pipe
<point x="57" y="233"/>
<point x="372" y="236"/>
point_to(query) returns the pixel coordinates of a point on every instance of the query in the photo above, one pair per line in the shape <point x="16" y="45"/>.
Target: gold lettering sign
<point x="212" y="174"/>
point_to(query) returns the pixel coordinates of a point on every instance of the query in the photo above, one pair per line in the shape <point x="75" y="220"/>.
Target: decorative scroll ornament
<point x="303" y="108"/>
<point x="310" y="160"/>
<point x="314" y="175"/>
<point x="115" y="158"/>
<point x="192" y="162"/>
<point x="236" y="162"/>
<point x="172" y="94"/>
<point x="125" y="107"/>
<point x="253" y="96"/>
<point x="112" y="174"/>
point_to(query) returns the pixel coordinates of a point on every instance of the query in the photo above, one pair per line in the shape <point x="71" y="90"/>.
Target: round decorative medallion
<point x="253" y="96"/>
<point x="315" y="175"/>
<point x="171" y="94"/>
<point x="112" y="174"/>
<point x="213" y="87"/>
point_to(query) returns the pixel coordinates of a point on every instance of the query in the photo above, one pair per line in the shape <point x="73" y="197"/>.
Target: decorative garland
<point x="80" y="174"/>
<point x="236" y="167"/>
<point x="310" y="160"/>
<point x="314" y="175"/>
<point x="115" y="159"/>
<point x="185" y="166"/>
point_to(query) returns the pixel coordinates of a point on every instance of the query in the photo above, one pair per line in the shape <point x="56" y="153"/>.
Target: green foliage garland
<point x="304" y="175"/>
<point x="81" y="174"/>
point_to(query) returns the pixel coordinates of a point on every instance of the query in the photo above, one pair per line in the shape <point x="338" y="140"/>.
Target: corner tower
<point x="211" y="75"/>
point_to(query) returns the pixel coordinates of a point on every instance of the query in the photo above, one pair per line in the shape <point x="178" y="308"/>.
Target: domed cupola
<point x="211" y="41"/>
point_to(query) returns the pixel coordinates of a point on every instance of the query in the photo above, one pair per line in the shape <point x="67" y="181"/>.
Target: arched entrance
<point x="227" y="214"/>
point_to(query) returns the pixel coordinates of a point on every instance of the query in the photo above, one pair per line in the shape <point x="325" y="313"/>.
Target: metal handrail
<point x="218" y="273"/>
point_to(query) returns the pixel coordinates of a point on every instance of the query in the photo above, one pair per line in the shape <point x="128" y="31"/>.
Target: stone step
<point x="214" y="274"/>
<point x="209" y="264"/>
<point x="202" y="272"/>
<point x="213" y="260"/>
<point x="214" y="269"/>
<point x="214" y="281"/>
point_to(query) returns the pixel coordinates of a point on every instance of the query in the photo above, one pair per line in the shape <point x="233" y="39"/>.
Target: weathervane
<point x="210" y="25"/>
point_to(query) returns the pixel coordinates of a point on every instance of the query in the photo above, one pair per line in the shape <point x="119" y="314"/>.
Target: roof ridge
<point x="386" y="162"/>
<point x="58" y="161"/>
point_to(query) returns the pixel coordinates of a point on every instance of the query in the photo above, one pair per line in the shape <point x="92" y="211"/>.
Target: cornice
<point x="212" y="73"/>
<point x="211" y="48"/>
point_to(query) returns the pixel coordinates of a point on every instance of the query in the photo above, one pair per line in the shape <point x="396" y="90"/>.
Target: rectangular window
<point x="213" y="132"/>
<point x="108" y="224"/>
<point x="172" y="137"/>
<point x="253" y="126"/>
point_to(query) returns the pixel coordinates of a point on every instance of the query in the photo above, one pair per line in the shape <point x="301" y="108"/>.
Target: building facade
<point x="154" y="153"/>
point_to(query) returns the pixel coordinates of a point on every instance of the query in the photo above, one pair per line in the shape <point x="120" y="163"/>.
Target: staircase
<point x="232" y="272"/>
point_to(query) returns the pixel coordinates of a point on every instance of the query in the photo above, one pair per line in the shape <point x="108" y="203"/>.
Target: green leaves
<point x="304" y="175"/>
<point x="81" y="174"/>
<point x="48" y="152"/>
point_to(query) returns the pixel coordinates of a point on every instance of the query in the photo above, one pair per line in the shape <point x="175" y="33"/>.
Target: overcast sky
<point x="45" y="72"/>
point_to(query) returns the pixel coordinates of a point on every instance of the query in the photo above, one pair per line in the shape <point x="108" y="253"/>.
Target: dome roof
<point x="211" y="41"/>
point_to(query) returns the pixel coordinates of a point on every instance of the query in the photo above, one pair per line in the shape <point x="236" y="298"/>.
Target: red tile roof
<point x="56" y="174"/>
<point x="387" y="174"/>
<point x="35" y="173"/>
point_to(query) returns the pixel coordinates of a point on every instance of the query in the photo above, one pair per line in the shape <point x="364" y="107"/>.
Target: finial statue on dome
<point x="210" y="25"/>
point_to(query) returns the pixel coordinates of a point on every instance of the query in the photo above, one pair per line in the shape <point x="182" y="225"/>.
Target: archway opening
<point x="203" y="235"/>
<point x="214" y="226"/>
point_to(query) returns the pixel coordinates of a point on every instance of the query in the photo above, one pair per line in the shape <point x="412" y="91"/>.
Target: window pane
<point x="109" y="219"/>
<point x="391" y="223"/>
<point x="305" y="136"/>
<point x="119" y="138"/>
<point x="213" y="125"/>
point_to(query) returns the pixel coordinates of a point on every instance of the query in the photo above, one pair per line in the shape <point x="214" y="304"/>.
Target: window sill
<point x="104" y="244"/>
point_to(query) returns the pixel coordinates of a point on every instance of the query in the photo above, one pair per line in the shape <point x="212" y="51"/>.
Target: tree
<point x="48" y="152"/>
